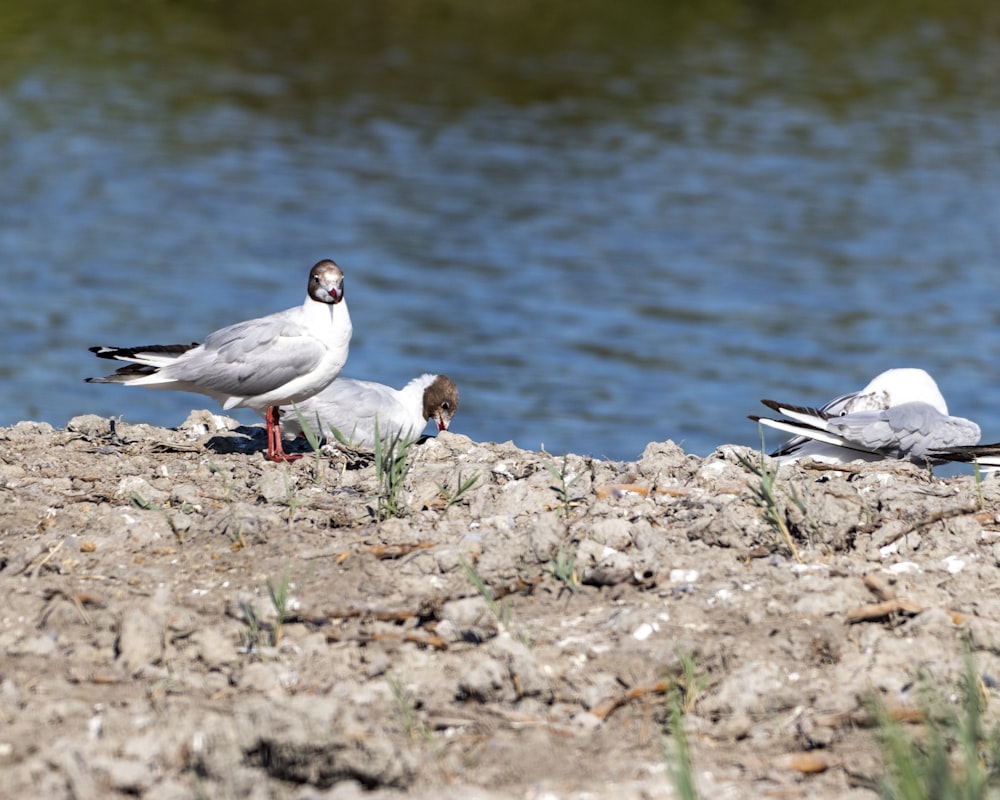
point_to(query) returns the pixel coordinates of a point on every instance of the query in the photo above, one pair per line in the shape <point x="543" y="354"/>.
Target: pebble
<point x="140" y="639"/>
<point x="643" y="632"/>
<point x="485" y="680"/>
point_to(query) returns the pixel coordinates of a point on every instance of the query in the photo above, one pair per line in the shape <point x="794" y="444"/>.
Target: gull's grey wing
<point x="910" y="430"/>
<point x="252" y="358"/>
<point x="811" y="440"/>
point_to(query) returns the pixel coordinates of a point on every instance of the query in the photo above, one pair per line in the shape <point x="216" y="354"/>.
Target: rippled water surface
<point x="608" y="226"/>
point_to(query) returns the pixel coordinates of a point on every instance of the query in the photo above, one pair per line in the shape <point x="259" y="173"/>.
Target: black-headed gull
<point x="261" y="364"/>
<point x="913" y="431"/>
<point x="354" y="407"/>
<point x="899" y="414"/>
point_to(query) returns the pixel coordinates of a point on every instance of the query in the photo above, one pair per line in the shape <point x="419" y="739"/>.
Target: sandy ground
<point x="143" y="656"/>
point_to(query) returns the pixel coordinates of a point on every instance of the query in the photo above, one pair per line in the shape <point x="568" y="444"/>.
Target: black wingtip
<point x="125" y="353"/>
<point x="784" y="408"/>
<point x="968" y="453"/>
<point x="103" y="351"/>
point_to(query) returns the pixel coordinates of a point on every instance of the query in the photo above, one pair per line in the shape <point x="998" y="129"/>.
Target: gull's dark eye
<point x="445" y="405"/>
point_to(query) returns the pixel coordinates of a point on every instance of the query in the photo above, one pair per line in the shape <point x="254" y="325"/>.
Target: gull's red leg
<point x="275" y="449"/>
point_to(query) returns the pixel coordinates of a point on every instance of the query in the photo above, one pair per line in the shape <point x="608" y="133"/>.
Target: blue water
<point x="602" y="246"/>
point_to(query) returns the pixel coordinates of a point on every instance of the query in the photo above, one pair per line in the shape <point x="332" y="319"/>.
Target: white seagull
<point x="354" y="408"/>
<point x="261" y="364"/>
<point x="900" y="414"/>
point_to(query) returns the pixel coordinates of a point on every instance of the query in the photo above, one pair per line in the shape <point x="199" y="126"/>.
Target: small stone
<point x="140" y="640"/>
<point x="277" y="486"/>
<point x="141" y="490"/>
<point x="483" y="679"/>
<point x="215" y="649"/>
<point x="528" y="677"/>
<point x="44" y="645"/>
<point x="615" y="533"/>
<point x="471" y="618"/>
<point x="128" y="777"/>
<point x="585" y="722"/>
<point x="643" y="632"/>
<point x="954" y="564"/>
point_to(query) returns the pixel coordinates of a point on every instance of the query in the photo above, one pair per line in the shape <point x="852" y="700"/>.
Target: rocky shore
<point x="184" y="619"/>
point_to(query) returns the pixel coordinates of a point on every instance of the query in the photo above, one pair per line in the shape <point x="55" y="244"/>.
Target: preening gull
<point x="354" y="408"/>
<point x="900" y="414"/>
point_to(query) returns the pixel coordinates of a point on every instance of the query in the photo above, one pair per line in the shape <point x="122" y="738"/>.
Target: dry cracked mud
<point x="143" y="654"/>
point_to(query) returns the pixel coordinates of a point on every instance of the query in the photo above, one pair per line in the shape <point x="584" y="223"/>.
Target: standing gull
<point x="260" y="364"/>
<point x="900" y="414"/>
<point x="354" y="408"/>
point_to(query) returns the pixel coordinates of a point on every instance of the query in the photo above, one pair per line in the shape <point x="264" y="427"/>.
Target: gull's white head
<point x="906" y="385"/>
